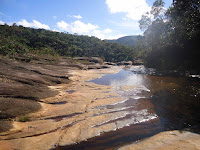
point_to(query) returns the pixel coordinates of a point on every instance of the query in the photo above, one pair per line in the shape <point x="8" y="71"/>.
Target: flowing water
<point x="151" y="104"/>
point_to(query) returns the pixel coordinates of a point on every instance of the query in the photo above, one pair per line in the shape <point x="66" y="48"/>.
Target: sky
<point x="105" y="19"/>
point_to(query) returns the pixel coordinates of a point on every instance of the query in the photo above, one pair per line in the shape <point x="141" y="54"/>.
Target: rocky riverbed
<point x="96" y="109"/>
<point x="66" y="118"/>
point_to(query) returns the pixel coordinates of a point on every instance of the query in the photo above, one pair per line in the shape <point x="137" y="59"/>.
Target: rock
<point x="125" y="63"/>
<point x="138" y="62"/>
<point x="166" y="141"/>
<point x="109" y="63"/>
<point x="90" y="59"/>
<point x="23" y="84"/>
<point x="81" y="58"/>
<point x="96" y="60"/>
<point x="97" y="66"/>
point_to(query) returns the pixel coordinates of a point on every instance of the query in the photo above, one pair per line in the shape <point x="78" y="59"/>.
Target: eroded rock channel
<point x="107" y="109"/>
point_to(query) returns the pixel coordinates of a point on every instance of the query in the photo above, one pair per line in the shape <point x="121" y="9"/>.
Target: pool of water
<point x="151" y="104"/>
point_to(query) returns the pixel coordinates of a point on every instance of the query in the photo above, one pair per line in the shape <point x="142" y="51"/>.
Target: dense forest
<point x="18" y="40"/>
<point x="172" y="36"/>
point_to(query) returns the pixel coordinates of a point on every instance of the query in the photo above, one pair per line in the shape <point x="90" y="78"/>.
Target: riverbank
<point x="106" y="113"/>
<point x="65" y="118"/>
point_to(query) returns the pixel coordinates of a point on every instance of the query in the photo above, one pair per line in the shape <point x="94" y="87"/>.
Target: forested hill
<point x="131" y="41"/>
<point x="19" y="40"/>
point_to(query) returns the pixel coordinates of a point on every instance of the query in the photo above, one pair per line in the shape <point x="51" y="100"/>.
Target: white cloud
<point x="2" y="23"/>
<point x="82" y="28"/>
<point x="77" y="27"/>
<point x="34" y="24"/>
<point x="111" y="37"/>
<point x="24" y="23"/>
<point x="62" y="25"/>
<point x="98" y="34"/>
<point x="103" y="35"/>
<point x="133" y="8"/>
<point x="54" y="30"/>
<point x="77" y="16"/>
<point x="107" y="30"/>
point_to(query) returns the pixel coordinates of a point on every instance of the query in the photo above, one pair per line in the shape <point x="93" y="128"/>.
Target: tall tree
<point x="172" y="39"/>
<point x="153" y="24"/>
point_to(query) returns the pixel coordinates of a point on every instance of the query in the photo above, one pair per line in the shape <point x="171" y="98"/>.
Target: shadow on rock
<point x="5" y="126"/>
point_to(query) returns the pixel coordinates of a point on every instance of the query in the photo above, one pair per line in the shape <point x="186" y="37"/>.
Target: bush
<point x="23" y="119"/>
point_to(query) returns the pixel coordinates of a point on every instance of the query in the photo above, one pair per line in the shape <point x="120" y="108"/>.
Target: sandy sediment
<point x="69" y="117"/>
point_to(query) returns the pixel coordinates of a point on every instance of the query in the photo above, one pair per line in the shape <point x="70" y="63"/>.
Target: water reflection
<point x="175" y="99"/>
<point x="131" y="87"/>
<point x="125" y="78"/>
<point x="137" y="117"/>
<point x="150" y="104"/>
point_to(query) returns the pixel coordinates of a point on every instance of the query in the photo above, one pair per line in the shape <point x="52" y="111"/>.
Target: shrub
<point x="24" y="119"/>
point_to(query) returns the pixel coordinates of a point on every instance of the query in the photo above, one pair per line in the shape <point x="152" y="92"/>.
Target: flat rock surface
<point x="169" y="140"/>
<point x="68" y="117"/>
<point x="71" y="111"/>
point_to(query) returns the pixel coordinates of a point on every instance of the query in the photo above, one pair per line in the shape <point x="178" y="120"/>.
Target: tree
<point x="153" y="26"/>
<point x="172" y="38"/>
<point x="145" y="21"/>
<point x="157" y="10"/>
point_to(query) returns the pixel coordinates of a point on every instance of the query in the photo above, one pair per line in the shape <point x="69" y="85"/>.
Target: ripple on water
<point x="131" y="88"/>
<point x="130" y="117"/>
<point x="137" y="119"/>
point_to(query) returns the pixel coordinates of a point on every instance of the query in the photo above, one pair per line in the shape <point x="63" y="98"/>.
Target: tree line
<point x="19" y="40"/>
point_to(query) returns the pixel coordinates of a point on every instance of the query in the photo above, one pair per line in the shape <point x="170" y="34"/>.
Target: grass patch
<point x="23" y="119"/>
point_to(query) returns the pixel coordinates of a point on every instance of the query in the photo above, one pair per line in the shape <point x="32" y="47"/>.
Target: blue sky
<point x="105" y="19"/>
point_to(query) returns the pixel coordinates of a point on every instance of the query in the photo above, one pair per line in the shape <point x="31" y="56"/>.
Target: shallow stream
<point x="152" y="104"/>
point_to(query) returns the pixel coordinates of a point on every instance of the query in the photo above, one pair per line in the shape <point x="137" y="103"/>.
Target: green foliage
<point x="145" y="21"/>
<point x="18" y="40"/>
<point x="172" y="39"/>
<point x="157" y="9"/>
<point x="23" y="119"/>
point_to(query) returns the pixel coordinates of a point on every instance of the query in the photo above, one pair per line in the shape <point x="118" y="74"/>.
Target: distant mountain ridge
<point x="131" y="41"/>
